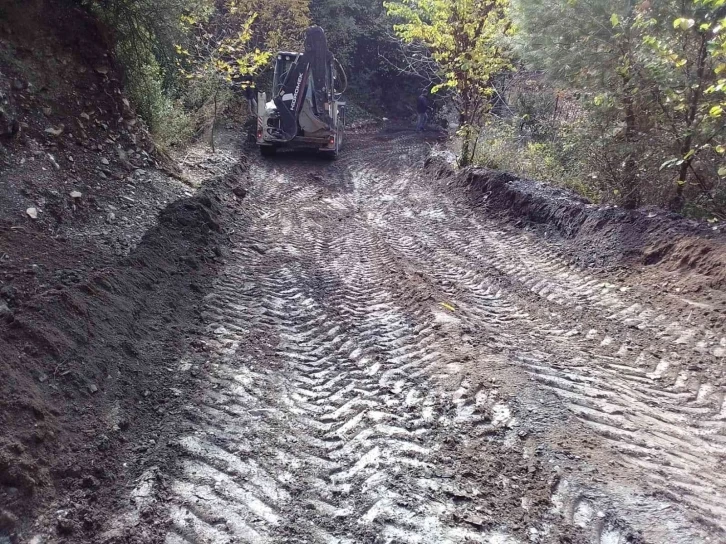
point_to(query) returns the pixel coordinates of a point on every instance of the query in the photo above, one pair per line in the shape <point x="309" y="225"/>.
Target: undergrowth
<point x="559" y="161"/>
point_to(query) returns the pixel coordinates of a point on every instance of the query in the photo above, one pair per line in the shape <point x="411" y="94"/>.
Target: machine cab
<point x="283" y="63"/>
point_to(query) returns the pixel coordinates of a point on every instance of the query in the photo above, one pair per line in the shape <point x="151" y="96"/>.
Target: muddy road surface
<point x="383" y="363"/>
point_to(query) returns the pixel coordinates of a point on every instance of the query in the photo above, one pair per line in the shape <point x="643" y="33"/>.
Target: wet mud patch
<point x="90" y="371"/>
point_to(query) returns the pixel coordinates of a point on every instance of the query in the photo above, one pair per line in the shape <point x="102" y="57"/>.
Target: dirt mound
<point x="69" y="139"/>
<point x="604" y="236"/>
<point x="97" y="241"/>
<point x="87" y="367"/>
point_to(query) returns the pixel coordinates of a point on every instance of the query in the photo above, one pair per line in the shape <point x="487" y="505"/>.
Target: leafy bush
<point x="560" y="161"/>
<point x="167" y="118"/>
<point x="144" y="34"/>
<point x="652" y="101"/>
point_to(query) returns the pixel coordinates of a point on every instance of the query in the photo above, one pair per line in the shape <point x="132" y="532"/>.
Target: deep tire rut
<point x="384" y="365"/>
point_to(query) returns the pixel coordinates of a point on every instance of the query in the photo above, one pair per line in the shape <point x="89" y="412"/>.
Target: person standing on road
<point x="422" y="107"/>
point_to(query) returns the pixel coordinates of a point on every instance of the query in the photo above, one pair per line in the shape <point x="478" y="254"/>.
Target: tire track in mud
<point x="347" y="402"/>
<point x="641" y="397"/>
<point x="351" y="391"/>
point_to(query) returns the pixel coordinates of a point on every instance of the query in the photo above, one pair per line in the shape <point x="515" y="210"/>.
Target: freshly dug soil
<point x="86" y="364"/>
<point x="599" y="236"/>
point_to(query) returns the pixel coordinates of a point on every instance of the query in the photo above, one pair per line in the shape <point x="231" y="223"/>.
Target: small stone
<point x="8" y="520"/>
<point x="55" y="131"/>
<point x="104" y="161"/>
<point x="85" y="116"/>
<point x="111" y="217"/>
<point x="70" y="158"/>
<point x="53" y="162"/>
<point x="47" y="112"/>
<point x="93" y="388"/>
<point x="64" y="526"/>
<point x="76" y="194"/>
<point x="240" y="192"/>
<point x="32" y="213"/>
<point x="90" y="482"/>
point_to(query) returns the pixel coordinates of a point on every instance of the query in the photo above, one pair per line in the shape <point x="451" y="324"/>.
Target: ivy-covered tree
<point x="460" y="48"/>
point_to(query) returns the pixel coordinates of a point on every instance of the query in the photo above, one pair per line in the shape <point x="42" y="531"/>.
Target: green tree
<point x="144" y="34"/>
<point x="360" y="34"/>
<point x="643" y="70"/>
<point x="278" y="25"/>
<point x="591" y="47"/>
<point x="460" y="48"/>
<point x="221" y="54"/>
<point x="679" y="69"/>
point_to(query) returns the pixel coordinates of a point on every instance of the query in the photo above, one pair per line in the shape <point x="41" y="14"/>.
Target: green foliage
<point x="222" y="51"/>
<point x="278" y="25"/>
<point x="561" y="159"/>
<point x="221" y="54"/>
<point x="359" y="34"/>
<point x="647" y="74"/>
<point x="462" y="39"/>
<point x="145" y="33"/>
<point x="178" y="55"/>
<point x="168" y="120"/>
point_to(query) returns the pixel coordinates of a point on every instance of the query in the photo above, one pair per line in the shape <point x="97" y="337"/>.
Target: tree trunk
<point x="694" y="100"/>
<point x="465" y="128"/>
<point x="214" y="121"/>
<point x="631" y="198"/>
<point x="465" y="158"/>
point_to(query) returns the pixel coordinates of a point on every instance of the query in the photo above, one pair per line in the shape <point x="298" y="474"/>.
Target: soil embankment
<point x="105" y="255"/>
<point x="87" y="368"/>
<point x="688" y="256"/>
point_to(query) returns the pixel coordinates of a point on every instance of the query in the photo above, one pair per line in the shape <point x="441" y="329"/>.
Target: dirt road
<point x="383" y="363"/>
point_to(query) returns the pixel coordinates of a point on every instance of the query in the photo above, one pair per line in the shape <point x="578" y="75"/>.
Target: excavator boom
<point x="304" y="110"/>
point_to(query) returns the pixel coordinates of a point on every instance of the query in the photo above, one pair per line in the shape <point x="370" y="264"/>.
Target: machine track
<point x="385" y="364"/>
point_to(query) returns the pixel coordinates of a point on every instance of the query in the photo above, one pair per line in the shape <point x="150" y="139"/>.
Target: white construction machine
<point x="304" y="110"/>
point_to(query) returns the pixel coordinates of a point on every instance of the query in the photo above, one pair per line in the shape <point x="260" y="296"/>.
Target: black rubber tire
<point x="268" y="150"/>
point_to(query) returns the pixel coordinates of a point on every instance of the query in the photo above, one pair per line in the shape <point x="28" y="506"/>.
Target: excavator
<point x="304" y="110"/>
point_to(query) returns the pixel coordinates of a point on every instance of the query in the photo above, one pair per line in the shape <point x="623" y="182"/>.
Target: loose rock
<point x="55" y="131"/>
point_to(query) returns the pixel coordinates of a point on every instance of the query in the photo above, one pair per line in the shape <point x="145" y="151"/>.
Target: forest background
<point x="620" y="100"/>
